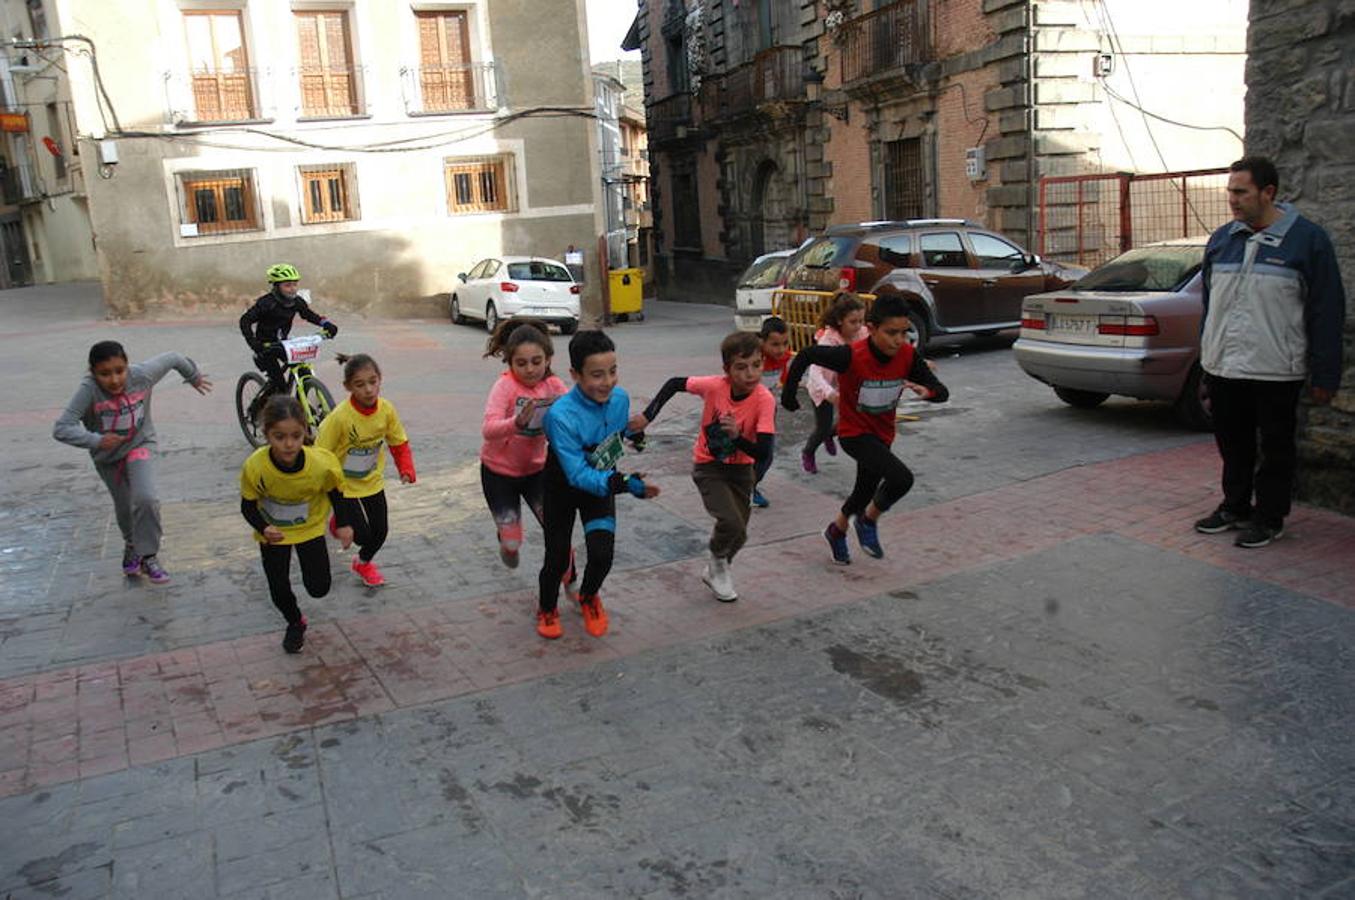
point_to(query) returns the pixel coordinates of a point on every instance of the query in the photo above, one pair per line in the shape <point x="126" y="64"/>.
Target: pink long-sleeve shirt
<point x="507" y="449"/>
<point x="823" y="382"/>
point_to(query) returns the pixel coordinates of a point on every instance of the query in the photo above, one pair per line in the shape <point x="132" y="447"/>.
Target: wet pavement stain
<point x="522" y="786"/>
<point x="47" y="868"/>
<point x="285" y="751"/>
<point x="879" y="673"/>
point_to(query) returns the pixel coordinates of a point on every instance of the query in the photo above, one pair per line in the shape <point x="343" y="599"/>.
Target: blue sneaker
<point x="868" y="536"/>
<point x="837" y="540"/>
<point x="758" y="500"/>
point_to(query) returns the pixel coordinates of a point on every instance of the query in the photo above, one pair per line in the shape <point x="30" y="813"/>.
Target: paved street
<point x="1050" y="687"/>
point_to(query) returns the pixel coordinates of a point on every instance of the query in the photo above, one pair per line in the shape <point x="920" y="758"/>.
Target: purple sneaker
<point x="830" y="445"/>
<point x="131" y="563"/>
<point x="807" y="461"/>
<point x="154" y="571"/>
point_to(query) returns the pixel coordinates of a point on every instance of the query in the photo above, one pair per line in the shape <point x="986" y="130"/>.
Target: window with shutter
<point x="219" y="66"/>
<point x="446" y="77"/>
<point x="328" y="77"/>
<point x="219" y="202"/>
<point x="479" y="185"/>
<point x="327" y="194"/>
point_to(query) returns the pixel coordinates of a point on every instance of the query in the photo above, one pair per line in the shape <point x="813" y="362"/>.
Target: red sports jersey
<point x="869" y="391"/>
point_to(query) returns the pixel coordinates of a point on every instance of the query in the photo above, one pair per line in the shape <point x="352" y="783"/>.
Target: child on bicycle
<point x="513" y="455"/>
<point x="355" y="432"/>
<point x="286" y="493"/>
<point x="776" y="357"/>
<point x="110" y="416"/>
<point x="872" y="374"/>
<point x="585" y="429"/>
<point x="269" y="321"/>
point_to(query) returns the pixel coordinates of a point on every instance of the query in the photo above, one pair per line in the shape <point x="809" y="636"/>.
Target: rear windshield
<point x="826" y="251"/>
<point x="537" y="271"/>
<point x="1145" y="269"/>
<point x="764" y="273"/>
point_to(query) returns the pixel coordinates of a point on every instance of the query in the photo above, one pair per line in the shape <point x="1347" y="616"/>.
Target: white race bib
<point x="285" y="514"/>
<point x="302" y="349"/>
<point x="878" y="396"/>
<point x="538" y="415"/>
<point x="358" y="462"/>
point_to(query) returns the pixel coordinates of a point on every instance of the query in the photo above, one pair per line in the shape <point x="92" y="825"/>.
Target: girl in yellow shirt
<point x="286" y="492"/>
<point x="355" y="432"/>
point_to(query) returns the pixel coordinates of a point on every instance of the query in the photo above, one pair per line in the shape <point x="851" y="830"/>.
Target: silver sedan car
<point x="1130" y="327"/>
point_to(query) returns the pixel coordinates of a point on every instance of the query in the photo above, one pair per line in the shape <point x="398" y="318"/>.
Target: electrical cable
<point x="964" y="109"/>
<point x="1161" y="118"/>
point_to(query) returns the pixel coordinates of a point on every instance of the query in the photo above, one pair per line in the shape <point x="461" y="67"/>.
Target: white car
<point x="510" y="286"/>
<point x="753" y="296"/>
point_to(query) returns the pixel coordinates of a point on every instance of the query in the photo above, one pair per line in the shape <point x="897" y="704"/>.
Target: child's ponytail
<point x="355" y="363"/>
<point x="512" y="333"/>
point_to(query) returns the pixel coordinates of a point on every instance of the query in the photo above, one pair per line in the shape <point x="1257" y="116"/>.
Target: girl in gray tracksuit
<point x="110" y="416"/>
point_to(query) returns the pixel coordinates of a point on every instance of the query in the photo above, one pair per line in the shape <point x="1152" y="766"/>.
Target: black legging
<point x="313" y="558"/>
<point x="598" y="515"/>
<point x="823" y="426"/>
<point x="880" y="475"/>
<point x="504" y="494"/>
<point x="272" y="362"/>
<point x="370" y="523"/>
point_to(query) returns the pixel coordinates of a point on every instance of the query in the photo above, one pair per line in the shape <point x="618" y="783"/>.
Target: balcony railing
<point x="890" y="38"/>
<point x="19" y="184"/>
<point x="774" y="75"/>
<point x="330" y="92"/>
<point x="472" y="87"/>
<point x="669" y="118"/>
<point x="215" y="95"/>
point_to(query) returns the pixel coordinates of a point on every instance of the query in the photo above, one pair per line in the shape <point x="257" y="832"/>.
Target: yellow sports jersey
<point x="356" y="438"/>
<point x="296" y="502"/>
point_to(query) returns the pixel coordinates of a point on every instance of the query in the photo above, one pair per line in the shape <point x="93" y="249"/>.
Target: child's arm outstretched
<point x="922" y="375"/>
<point x="838" y="358"/>
<point x="568" y="449"/>
<point x="676" y="384"/>
<point x="160" y="365"/>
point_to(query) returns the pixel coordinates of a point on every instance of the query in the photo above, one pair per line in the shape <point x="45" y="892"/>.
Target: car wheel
<point x="569" y="327"/>
<point x="918" y="333"/>
<point x="491" y="318"/>
<point x="1080" y="399"/>
<point x="457" y="317"/>
<point x="1192" y="407"/>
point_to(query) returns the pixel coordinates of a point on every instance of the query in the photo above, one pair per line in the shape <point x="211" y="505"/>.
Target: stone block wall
<point x="1301" y="113"/>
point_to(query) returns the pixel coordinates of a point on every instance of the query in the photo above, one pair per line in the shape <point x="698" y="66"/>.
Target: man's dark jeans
<point x="1241" y="409"/>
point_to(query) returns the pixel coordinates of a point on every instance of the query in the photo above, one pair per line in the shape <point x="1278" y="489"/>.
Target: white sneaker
<point x="719" y="579"/>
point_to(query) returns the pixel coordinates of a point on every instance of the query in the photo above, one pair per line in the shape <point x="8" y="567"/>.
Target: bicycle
<point x="252" y="390"/>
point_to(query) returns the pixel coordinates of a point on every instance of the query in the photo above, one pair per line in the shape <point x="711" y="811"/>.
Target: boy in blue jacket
<point x="585" y="429"/>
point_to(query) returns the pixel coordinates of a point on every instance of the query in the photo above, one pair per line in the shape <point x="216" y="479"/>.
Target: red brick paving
<point x="75" y="723"/>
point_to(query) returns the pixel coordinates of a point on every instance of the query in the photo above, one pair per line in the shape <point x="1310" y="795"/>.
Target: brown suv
<point x="958" y="277"/>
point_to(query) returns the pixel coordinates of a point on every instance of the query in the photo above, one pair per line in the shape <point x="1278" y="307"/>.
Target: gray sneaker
<point x="1221" y="520"/>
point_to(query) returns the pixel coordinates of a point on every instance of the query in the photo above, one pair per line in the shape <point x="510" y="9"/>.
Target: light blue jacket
<point x="575" y="425"/>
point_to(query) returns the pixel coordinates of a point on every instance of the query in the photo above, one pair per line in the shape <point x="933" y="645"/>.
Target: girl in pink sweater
<point x="841" y="323"/>
<point x="513" y="455"/>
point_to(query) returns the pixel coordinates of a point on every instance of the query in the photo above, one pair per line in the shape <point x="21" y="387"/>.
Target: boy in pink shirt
<point x="738" y="423"/>
<point x="513" y="455"/>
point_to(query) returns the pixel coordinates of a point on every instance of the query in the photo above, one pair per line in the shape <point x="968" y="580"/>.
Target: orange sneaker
<point x="368" y="572"/>
<point x="594" y="616"/>
<point x="548" y="624"/>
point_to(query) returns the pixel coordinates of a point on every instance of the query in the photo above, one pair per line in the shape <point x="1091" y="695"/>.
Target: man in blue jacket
<point x="1274" y="314"/>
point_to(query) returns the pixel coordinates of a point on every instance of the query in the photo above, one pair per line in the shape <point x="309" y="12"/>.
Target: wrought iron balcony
<point x="775" y="75"/>
<point x="886" y="40"/>
<point x="214" y="95"/>
<point x="473" y="87"/>
<point x="669" y="118"/>
<point x="19" y="184"/>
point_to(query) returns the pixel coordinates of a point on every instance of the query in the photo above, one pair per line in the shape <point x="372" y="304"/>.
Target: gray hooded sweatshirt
<point x="93" y="412"/>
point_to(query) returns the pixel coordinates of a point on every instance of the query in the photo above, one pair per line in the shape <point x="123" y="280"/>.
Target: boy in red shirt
<point x="871" y="376"/>
<point x="738" y="421"/>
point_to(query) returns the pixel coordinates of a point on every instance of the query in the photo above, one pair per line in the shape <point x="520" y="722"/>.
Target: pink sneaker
<point x="368" y="572"/>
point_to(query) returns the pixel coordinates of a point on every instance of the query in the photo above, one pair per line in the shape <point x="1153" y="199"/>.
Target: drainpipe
<point x="1031" y="192"/>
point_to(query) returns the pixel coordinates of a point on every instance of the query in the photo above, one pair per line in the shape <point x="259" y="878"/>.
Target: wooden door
<point x="445" y="74"/>
<point x="328" y="82"/>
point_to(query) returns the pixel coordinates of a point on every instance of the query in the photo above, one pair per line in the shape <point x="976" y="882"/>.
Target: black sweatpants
<point x="272" y="362"/>
<point x="823" y="426"/>
<point x="562" y="502"/>
<point x="505" y="495"/>
<point x="371" y="523"/>
<point x="880" y="475"/>
<point x="313" y="558"/>
<point x="1240" y="409"/>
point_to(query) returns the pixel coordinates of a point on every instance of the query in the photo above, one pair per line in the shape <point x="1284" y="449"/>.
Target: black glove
<point x="330" y="328"/>
<point x="637" y="440"/>
<point x="789" y="401"/>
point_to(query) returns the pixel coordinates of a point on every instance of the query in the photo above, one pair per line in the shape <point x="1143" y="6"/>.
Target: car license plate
<point x="1080" y="326"/>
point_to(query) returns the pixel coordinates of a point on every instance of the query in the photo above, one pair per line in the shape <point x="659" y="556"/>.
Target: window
<point x="993" y="252"/>
<point x="37" y="17"/>
<point x="943" y="251"/>
<point x="895" y="249"/>
<point x="328" y="79"/>
<point x="903" y="179"/>
<point x="55" y="133"/>
<point x="327" y="194"/>
<point x="219" y="202"/>
<point x="686" y="210"/>
<point x="538" y="271"/>
<point x="219" y="66"/>
<point x="446" y="80"/>
<point x="479" y="185"/>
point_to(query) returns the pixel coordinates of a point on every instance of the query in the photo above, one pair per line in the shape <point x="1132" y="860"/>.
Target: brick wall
<point x="848" y="154"/>
<point x="961" y="26"/>
<point x="961" y="125"/>
<point x="1301" y="113"/>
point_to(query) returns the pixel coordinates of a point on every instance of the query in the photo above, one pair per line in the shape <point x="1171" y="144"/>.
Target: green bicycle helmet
<point x="283" y="272"/>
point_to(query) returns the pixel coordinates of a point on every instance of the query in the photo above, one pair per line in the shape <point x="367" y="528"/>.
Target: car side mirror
<point x="1026" y="262"/>
<point x="462" y="276"/>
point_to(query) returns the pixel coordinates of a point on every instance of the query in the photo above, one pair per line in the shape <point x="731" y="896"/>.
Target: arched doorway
<point x="757" y="213"/>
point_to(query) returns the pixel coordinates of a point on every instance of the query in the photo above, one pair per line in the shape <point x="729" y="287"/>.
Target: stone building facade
<point x="1301" y="113"/>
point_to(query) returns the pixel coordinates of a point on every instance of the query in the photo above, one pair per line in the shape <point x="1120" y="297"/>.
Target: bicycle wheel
<point x="249" y="397"/>
<point x="318" y="399"/>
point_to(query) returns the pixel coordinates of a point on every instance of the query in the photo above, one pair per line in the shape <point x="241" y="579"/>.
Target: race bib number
<point x="718" y="441"/>
<point x="360" y="461"/>
<point x="879" y="396"/>
<point x="302" y="349"/>
<point x="275" y="512"/>
<point x="533" y="427"/>
<point x="605" y="455"/>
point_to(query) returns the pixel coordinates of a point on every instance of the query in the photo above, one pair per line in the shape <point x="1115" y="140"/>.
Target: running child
<point x="585" y="428"/>
<point x="110" y="416"/>
<point x="286" y="494"/>
<point x="355" y="432"/>
<point x="738" y="421"/>
<point x="871" y="376"/>
<point x="513" y="455"/>
<point x="776" y="357"/>
<point x="840" y="324"/>
<point x="269" y="321"/>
